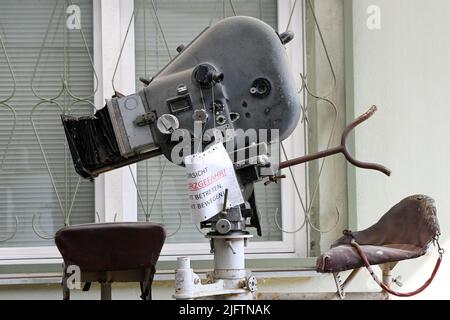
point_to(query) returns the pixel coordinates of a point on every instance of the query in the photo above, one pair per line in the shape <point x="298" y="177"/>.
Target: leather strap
<point x="384" y="286"/>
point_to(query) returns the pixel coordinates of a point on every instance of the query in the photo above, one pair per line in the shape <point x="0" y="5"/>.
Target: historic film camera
<point x="234" y="75"/>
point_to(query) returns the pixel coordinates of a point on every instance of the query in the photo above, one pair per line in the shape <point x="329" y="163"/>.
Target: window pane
<point x="182" y="21"/>
<point x="29" y="28"/>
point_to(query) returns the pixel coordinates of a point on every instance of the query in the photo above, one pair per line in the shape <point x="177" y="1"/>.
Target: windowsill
<point x="28" y="262"/>
<point x="48" y="271"/>
<point x="285" y="263"/>
<point x="55" y="277"/>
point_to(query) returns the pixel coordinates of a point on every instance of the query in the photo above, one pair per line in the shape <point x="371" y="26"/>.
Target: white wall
<point x="404" y="69"/>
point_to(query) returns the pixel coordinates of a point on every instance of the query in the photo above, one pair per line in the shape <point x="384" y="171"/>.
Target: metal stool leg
<point x="105" y="291"/>
<point x="65" y="288"/>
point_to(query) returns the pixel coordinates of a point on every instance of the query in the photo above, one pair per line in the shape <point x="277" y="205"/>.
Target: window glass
<point x="45" y="44"/>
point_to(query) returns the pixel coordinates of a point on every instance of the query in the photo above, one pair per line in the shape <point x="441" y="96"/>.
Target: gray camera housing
<point x="234" y="75"/>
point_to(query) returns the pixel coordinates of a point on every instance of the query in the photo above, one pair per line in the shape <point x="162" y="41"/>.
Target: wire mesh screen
<point x="45" y="70"/>
<point x="160" y="27"/>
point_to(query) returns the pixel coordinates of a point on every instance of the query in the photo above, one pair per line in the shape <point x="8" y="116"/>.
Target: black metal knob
<point x="206" y="76"/>
<point x="286" y="37"/>
<point x="180" y="48"/>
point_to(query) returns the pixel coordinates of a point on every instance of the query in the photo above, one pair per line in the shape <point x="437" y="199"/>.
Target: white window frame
<point x="115" y="192"/>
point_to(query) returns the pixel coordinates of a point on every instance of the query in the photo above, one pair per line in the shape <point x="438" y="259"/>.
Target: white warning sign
<point x="209" y="173"/>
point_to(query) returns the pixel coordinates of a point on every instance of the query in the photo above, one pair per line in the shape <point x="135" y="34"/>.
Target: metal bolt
<point x="221" y="120"/>
<point x="200" y="115"/>
<point x="180" y="48"/>
<point x="398" y="281"/>
<point x="252" y="283"/>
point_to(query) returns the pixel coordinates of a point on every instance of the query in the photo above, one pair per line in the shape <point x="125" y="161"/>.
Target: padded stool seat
<point x="109" y="252"/>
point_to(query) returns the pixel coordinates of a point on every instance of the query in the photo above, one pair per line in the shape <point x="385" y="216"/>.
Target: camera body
<point x="233" y="78"/>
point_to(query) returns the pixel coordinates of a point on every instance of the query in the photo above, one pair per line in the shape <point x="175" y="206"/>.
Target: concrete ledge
<point x="320" y="296"/>
<point x="55" y="277"/>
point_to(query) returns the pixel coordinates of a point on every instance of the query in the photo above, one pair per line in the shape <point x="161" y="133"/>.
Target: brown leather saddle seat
<point x="404" y="232"/>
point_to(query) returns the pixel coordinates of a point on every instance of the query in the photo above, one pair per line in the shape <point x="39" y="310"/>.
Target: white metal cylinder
<point x="229" y="259"/>
<point x="183" y="263"/>
<point x="184" y="281"/>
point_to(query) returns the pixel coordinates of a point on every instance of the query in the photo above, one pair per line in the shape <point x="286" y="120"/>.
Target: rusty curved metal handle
<point x="342" y="148"/>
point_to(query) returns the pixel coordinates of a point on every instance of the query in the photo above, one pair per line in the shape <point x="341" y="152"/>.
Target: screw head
<point x="252" y="283"/>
